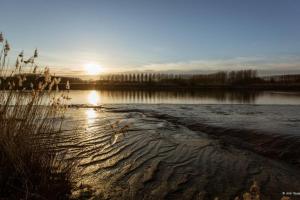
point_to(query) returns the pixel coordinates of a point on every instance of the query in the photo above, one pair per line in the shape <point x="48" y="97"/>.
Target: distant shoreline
<point x="155" y="86"/>
<point x="292" y="87"/>
<point x="233" y="80"/>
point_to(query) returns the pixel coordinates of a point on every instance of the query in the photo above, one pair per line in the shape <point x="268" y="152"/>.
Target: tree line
<point x="222" y="77"/>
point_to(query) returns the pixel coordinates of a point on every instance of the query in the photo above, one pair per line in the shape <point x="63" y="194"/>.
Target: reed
<point x="30" y="126"/>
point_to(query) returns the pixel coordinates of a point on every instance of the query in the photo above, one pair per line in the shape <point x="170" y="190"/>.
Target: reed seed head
<point x="1" y="37"/>
<point x="7" y="46"/>
<point x="35" y="53"/>
<point x="68" y="85"/>
<point x="21" y="54"/>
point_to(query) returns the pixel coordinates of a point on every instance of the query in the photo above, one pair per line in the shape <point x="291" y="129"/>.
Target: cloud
<point x="264" y="65"/>
<point x="283" y="63"/>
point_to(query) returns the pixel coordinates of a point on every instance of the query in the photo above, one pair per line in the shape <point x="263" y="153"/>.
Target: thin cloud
<point x="284" y="63"/>
<point x="264" y="65"/>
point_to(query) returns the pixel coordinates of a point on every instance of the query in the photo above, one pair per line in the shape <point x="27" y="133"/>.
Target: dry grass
<point x="30" y="167"/>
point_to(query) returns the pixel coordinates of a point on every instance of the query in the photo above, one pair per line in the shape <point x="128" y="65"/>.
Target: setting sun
<point x="93" y="69"/>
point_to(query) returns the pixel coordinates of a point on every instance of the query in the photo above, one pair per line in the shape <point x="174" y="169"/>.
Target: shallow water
<point x="183" y="151"/>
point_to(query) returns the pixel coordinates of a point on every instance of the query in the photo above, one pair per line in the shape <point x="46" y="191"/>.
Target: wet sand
<point x="185" y="151"/>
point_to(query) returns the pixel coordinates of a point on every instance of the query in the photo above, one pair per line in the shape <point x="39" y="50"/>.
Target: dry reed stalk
<point x="30" y="123"/>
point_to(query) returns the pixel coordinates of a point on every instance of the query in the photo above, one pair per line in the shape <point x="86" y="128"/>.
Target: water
<point x="95" y="97"/>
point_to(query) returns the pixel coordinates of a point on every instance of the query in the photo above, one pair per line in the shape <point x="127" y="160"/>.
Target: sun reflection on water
<point x="94" y="98"/>
<point x="91" y="114"/>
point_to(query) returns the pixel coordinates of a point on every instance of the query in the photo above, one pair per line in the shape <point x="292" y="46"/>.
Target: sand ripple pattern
<point x="158" y="158"/>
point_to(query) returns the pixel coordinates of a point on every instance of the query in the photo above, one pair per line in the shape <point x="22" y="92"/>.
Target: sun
<point x="93" y="69"/>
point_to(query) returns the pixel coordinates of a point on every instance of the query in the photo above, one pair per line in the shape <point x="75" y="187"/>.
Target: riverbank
<point x="133" y="86"/>
<point x="284" y="82"/>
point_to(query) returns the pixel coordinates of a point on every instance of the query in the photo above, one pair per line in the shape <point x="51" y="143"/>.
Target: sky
<point x="156" y="35"/>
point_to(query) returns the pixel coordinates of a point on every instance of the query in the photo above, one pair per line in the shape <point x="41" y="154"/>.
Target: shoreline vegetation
<point x="31" y="167"/>
<point x="231" y="80"/>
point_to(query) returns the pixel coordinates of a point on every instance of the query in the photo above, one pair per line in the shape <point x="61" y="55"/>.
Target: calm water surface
<point x="97" y="97"/>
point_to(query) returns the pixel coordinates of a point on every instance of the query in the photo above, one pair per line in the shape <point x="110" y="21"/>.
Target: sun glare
<point x="93" y="69"/>
<point x="94" y="98"/>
